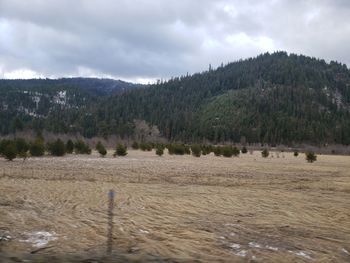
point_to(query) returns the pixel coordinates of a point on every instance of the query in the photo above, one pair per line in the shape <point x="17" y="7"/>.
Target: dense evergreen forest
<point x="273" y="98"/>
<point x="56" y="105"/>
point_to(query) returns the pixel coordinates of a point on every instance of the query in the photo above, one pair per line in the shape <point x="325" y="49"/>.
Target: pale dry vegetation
<point x="178" y="208"/>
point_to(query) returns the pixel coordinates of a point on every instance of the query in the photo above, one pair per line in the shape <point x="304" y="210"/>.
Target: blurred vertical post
<point x="110" y="221"/>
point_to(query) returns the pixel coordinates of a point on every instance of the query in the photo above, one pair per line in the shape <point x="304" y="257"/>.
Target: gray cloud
<point x="149" y="39"/>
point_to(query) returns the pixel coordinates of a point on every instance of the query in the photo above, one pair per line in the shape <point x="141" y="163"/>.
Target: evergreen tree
<point x="80" y="147"/>
<point x="196" y="150"/>
<point x="206" y="149"/>
<point x="10" y="151"/>
<point x="265" y="153"/>
<point x="235" y="151"/>
<point x="21" y="145"/>
<point x="227" y="151"/>
<point x="101" y="149"/>
<point x="310" y="156"/>
<point x="3" y="144"/>
<point x="178" y="149"/>
<point x="217" y="151"/>
<point x="121" y="150"/>
<point x="144" y="146"/>
<point x="160" y="151"/>
<point x="57" y="148"/>
<point x="69" y="146"/>
<point x="37" y="148"/>
<point x="22" y="148"/>
<point x="187" y="149"/>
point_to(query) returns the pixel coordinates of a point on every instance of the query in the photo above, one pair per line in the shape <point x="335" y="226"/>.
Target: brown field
<point x="176" y="208"/>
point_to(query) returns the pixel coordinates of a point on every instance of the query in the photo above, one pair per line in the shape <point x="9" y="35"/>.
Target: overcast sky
<point x="142" y="40"/>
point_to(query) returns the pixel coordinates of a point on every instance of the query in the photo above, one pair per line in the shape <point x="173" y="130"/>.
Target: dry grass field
<point x="176" y="208"/>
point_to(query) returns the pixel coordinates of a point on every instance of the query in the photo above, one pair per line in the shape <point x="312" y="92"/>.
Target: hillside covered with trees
<point x="273" y="98"/>
<point x="55" y="105"/>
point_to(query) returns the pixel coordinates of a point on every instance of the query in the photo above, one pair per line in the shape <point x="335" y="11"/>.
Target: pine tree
<point x="235" y="151"/>
<point x="217" y="151"/>
<point x="3" y="144"/>
<point x="101" y="149"/>
<point x="206" y="149"/>
<point x="265" y="153"/>
<point x="196" y="150"/>
<point x="310" y="156"/>
<point x="227" y="151"/>
<point x="57" y="148"/>
<point x="10" y="151"/>
<point x="80" y="147"/>
<point x="37" y="148"/>
<point x="144" y="146"/>
<point x="22" y="146"/>
<point x="69" y="146"/>
<point x="160" y="151"/>
<point x="178" y="149"/>
<point x="121" y="150"/>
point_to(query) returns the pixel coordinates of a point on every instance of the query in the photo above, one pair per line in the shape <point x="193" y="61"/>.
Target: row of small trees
<point x="194" y="149"/>
<point x="10" y="149"/>
<point x="19" y="147"/>
<point x="310" y="156"/>
<point x="121" y="150"/>
<point x="204" y="149"/>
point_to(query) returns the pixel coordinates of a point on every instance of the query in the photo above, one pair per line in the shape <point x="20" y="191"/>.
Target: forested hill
<point x="57" y="105"/>
<point x="273" y="98"/>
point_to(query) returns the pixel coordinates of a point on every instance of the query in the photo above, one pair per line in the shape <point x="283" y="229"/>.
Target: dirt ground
<point x="176" y="208"/>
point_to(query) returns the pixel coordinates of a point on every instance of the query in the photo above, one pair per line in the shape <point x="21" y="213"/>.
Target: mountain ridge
<point x="102" y="86"/>
<point x="272" y="98"/>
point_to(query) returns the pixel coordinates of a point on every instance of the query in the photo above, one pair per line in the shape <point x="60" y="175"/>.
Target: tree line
<point x="20" y="148"/>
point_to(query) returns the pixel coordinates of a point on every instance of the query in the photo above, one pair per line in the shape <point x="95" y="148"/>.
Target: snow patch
<point x="62" y="94"/>
<point x="5" y="238"/>
<point x="235" y="246"/>
<point x="272" y="248"/>
<point x="241" y="253"/>
<point x="345" y="251"/>
<point x="39" y="239"/>
<point x="144" y="231"/>
<point x="60" y="98"/>
<point x="300" y="254"/>
<point x="254" y="245"/>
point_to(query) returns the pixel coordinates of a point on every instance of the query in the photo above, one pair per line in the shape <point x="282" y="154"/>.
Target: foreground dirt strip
<point x="178" y="208"/>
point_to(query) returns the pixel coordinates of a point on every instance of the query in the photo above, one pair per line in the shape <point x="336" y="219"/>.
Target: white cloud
<point x="152" y="39"/>
<point x="21" y="74"/>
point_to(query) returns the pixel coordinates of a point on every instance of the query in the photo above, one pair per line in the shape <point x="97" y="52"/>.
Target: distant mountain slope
<point x="95" y="86"/>
<point x="53" y="104"/>
<point x="273" y="98"/>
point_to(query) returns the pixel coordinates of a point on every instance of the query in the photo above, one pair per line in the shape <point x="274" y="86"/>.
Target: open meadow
<point x="176" y="208"/>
